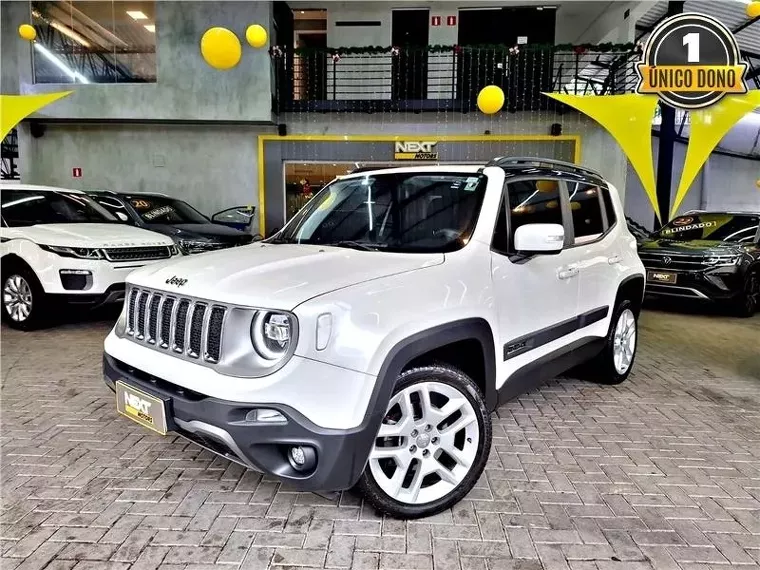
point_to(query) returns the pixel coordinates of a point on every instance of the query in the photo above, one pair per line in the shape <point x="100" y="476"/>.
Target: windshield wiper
<point x="351" y="244"/>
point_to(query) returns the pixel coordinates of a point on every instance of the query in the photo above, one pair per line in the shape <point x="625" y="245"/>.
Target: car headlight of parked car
<point x="272" y="335"/>
<point x="78" y="252"/>
<point x="190" y="246"/>
<point x="723" y="260"/>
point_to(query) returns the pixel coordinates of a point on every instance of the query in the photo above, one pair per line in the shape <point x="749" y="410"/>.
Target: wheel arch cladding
<point x="413" y="350"/>
<point x="631" y="288"/>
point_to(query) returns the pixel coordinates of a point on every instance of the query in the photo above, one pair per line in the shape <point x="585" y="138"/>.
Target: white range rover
<point x="58" y="246"/>
<point x="368" y="341"/>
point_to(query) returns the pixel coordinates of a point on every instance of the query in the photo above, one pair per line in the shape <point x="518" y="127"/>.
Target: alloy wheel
<point x="427" y="443"/>
<point x="624" y="345"/>
<point x="752" y="291"/>
<point x="17" y="298"/>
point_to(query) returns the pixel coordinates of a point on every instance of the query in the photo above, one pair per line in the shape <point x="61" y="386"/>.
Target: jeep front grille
<point x="187" y="327"/>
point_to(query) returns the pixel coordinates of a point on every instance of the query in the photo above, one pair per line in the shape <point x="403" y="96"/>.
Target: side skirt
<point x="550" y="366"/>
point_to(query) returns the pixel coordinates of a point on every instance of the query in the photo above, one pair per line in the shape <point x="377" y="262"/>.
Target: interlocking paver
<point x="661" y="472"/>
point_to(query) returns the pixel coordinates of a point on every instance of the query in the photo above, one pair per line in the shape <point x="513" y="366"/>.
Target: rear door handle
<point x="568" y="272"/>
<point x="614" y="259"/>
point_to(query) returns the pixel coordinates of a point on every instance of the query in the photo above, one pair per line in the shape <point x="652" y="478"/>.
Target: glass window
<point x="410" y="212"/>
<point x="94" y="41"/>
<point x="609" y="207"/>
<point x="712" y="227"/>
<point x="500" y="240"/>
<point x="534" y="202"/>
<point x="165" y="210"/>
<point x="586" y="210"/>
<point x="32" y="207"/>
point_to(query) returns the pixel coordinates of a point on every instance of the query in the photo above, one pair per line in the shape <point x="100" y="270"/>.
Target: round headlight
<point x="271" y="334"/>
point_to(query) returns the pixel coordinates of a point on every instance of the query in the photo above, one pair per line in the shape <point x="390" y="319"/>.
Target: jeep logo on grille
<point x="178" y="281"/>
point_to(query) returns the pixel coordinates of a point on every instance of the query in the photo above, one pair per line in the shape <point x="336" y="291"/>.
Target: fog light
<point x="265" y="416"/>
<point x="302" y="457"/>
<point x="299" y="457"/>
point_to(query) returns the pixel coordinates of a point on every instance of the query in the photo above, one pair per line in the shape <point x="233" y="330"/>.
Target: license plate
<point x="662" y="277"/>
<point x="146" y="410"/>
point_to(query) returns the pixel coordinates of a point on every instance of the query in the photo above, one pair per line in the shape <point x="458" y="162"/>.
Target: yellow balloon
<point x="490" y="99"/>
<point x="221" y="48"/>
<point x="753" y="10"/>
<point x="256" y="36"/>
<point x="27" y="32"/>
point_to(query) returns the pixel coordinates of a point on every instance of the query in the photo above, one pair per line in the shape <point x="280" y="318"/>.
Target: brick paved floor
<point x="660" y="472"/>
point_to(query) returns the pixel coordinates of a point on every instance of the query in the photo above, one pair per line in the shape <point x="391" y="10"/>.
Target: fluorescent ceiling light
<point x="59" y="64"/>
<point x="137" y="15"/>
<point x="150" y="27"/>
<point x="70" y="33"/>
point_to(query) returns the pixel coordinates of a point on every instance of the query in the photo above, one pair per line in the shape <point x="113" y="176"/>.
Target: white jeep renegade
<point x="58" y="246"/>
<point x="369" y="340"/>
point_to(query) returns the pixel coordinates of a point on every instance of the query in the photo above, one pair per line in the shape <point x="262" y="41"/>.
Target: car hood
<point x="213" y="232"/>
<point x="697" y="248"/>
<point x="92" y="235"/>
<point x="276" y="276"/>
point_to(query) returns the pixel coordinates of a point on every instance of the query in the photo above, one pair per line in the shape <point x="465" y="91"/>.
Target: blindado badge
<point x="691" y="61"/>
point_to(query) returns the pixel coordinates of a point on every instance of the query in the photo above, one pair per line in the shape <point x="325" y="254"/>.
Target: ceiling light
<point x="150" y="27"/>
<point x="137" y="15"/>
<point x="70" y="33"/>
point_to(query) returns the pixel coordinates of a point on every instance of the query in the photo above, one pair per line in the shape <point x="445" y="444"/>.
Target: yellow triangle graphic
<point x="628" y="118"/>
<point x="708" y="127"/>
<point x="15" y="108"/>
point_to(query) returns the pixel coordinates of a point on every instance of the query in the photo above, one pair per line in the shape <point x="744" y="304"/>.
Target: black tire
<point x="601" y="369"/>
<point x="444" y="374"/>
<point x="38" y="315"/>
<point x="746" y="304"/>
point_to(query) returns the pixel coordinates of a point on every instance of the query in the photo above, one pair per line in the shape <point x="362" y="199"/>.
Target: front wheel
<point x="748" y="301"/>
<point x="23" y="299"/>
<point x="432" y="445"/>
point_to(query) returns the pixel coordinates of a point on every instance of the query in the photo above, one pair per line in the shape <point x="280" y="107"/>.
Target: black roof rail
<point x="517" y="160"/>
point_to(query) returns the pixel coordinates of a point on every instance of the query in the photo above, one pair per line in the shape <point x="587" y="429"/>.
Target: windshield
<point x="712" y="227"/>
<point x="32" y="207"/>
<point x="164" y="210"/>
<point x="409" y="212"/>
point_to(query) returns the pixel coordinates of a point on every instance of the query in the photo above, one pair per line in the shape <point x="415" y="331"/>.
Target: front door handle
<point x="568" y="272"/>
<point x="614" y="259"/>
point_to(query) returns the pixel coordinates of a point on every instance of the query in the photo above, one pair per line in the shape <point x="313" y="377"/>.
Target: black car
<point x="709" y="256"/>
<point x="192" y="231"/>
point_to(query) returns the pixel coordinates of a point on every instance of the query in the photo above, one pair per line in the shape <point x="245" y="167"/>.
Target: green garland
<point x="369" y="50"/>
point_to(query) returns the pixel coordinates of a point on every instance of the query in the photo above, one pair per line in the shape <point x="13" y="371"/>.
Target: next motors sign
<point x="415" y="150"/>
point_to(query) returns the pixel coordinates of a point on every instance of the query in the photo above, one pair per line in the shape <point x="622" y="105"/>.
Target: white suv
<point x="368" y="341"/>
<point x="59" y="246"/>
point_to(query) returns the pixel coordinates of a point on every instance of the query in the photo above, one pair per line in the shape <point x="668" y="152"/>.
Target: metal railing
<point x="422" y="79"/>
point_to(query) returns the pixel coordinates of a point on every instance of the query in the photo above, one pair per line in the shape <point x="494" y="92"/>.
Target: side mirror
<point x="239" y="217"/>
<point x="122" y="216"/>
<point x="533" y="239"/>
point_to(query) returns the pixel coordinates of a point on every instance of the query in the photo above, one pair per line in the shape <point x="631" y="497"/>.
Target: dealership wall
<point x="725" y="183"/>
<point x="215" y="166"/>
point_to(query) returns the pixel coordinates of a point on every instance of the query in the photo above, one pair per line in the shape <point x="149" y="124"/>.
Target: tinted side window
<point x="586" y="211"/>
<point x="609" y="207"/>
<point x="533" y="202"/>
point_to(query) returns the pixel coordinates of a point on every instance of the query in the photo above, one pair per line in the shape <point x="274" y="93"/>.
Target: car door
<point x="536" y="297"/>
<point x="596" y="254"/>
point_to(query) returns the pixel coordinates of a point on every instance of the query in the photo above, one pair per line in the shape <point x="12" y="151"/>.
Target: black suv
<point x="711" y="256"/>
<point x="192" y="231"/>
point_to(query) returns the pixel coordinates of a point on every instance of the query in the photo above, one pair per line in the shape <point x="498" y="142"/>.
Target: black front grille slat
<point x="676" y="263"/>
<point x="196" y="330"/>
<point x="137" y="253"/>
<point x="131" y="311"/>
<point x="166" y="322"/>
<point x="142" y="301"/>
<point x="155" y="301"/>
<point x="181" y="324"/>
<point x="214" y="334"/>
<point x="191" y="328"/>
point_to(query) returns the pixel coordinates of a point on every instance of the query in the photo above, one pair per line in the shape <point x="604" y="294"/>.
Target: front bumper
<point x="114" y="294"/>
<point x="719" y="284"/>
<point x="221" y="427"/>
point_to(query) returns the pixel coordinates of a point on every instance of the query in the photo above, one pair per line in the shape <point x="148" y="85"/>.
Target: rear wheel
<point x="614" y="364"/>
<point x="749" y="300"/>
<point x="432" y="445"/>
<point x="23" y="298"/>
